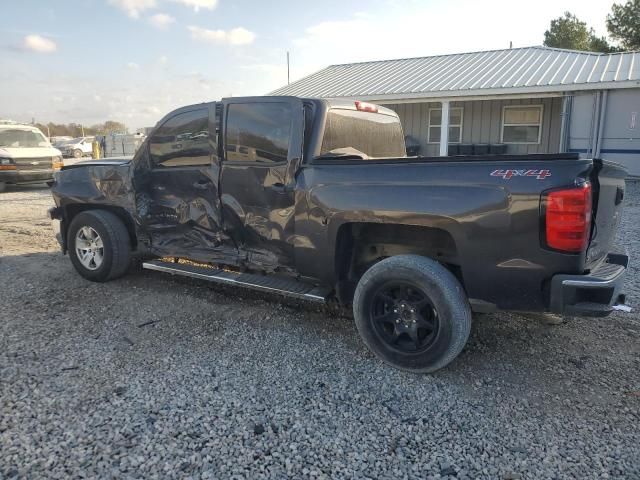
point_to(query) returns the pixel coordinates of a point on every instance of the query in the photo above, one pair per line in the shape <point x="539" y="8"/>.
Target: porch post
<point x="444" y="129"/>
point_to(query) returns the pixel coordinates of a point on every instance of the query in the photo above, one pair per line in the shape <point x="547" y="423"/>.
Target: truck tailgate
<point x="608" y="180"/>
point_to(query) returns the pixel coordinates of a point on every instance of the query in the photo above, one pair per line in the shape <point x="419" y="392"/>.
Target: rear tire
<point x="99" y="245"/>
<point x="412" y="313"/>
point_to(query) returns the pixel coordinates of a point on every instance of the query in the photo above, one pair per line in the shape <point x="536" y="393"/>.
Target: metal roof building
<point x="528" y="100"/>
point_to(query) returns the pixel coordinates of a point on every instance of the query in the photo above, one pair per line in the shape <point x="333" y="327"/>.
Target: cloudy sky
<point x="87" y="61"/>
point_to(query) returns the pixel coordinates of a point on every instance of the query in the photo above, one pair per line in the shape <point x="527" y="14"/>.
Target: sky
<point x="87" y="61"/>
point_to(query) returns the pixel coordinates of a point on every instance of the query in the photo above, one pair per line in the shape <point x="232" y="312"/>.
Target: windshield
<point x="22" y="138"/>
<point x="350" y="133"/>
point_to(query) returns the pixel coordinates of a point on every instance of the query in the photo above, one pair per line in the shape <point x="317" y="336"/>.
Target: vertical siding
<point x="482" y="123"/>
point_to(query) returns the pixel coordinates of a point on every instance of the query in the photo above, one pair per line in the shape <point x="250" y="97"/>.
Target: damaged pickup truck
<point x="316" y="199"/>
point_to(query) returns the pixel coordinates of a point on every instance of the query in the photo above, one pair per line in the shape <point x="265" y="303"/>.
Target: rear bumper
<point x="594" y="294"/>
<point x="26" y="176"/>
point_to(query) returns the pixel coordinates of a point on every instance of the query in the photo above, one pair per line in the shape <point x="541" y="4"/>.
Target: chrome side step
<point x="263" y="283"/>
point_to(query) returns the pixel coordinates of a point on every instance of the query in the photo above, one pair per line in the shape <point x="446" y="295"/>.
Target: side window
<point x="258" y="132"/>
<point x="182" y="141"/>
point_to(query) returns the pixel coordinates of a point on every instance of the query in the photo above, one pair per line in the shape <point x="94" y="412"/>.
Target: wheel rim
<point x="89" y="248"/>
<point x="404" y="317"/>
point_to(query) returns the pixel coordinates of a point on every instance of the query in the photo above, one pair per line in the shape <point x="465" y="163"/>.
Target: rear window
<point x="374" y="134"/>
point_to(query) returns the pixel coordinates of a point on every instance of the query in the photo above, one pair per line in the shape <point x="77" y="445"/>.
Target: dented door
<point x="262" y="144"/>
<point x="178" y="200"/>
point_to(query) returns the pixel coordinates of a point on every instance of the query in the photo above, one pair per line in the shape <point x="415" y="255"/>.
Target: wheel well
<point x="360" y="245"/>
<point x="72" y="210"/>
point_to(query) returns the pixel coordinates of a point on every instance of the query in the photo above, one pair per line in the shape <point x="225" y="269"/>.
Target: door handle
<point x="202" y="184"/>
<point x="278" y="187"/>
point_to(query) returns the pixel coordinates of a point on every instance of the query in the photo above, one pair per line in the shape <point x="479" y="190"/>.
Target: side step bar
<point x="264" y="283"/>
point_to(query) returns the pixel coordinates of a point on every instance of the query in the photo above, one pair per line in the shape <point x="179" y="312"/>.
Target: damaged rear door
<point x="180" y="208"/>
<point x="262" y="146"/>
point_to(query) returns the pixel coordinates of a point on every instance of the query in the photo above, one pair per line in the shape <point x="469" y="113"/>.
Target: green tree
<point x="75" y="130"/>
<point x="111" y="126"/>
<point x="569" y="32"/>
<point x="623" y="24"/>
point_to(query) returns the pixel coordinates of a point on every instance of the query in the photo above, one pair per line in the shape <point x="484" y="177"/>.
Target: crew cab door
<point x="177" y="192"/>
<point x="262" y="146"/>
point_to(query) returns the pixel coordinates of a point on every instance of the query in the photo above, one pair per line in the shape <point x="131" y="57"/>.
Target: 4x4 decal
<point x="507" y="174"/>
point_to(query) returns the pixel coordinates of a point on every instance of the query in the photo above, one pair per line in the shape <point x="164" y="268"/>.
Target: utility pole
<point x="82" y="128"/>
<point x="287" y="67"/>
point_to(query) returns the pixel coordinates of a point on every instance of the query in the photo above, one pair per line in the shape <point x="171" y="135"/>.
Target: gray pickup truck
<point x="317" y="199"/>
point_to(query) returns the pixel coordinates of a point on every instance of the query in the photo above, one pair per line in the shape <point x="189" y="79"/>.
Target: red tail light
<point x="567" y="216"/>
<point x="366" y="107"/>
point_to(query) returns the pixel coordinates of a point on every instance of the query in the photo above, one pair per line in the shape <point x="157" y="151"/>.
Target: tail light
<point x="366" y="107"/>
<point x="567" y="218"/>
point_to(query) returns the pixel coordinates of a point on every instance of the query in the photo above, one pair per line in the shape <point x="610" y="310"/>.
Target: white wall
<point x="621" y="129"/>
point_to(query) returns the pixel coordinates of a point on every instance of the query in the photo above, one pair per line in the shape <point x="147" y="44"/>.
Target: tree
<point x="623" y="24"/>
<point x="75" y="130"/>
<point x="600" y="44"/>
<point x="111" y="126"/>
<point x="569" y="32"/>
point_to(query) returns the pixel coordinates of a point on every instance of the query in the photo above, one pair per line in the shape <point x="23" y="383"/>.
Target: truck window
<point x="258" y="132"/>
<point x="376" y="135"/>
<point x="182" y="141"/>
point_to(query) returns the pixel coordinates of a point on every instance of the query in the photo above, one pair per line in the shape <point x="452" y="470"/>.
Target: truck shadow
<point x="25" y="188"/>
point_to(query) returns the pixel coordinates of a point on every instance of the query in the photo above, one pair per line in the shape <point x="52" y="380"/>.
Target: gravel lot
<point x="153" y="376"/>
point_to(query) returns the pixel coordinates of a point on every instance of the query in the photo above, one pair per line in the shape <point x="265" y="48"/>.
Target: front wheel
<point x="412" y="313"/>
<point x="99" y="245"/>
<point x="77" y="153"/>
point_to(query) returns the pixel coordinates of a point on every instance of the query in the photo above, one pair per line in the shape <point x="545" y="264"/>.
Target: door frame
<point x="290" y="166"/>
<point x="143" y="166"/>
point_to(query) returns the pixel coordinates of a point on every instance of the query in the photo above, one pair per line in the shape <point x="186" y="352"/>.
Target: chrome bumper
<point x="596" y="294"/>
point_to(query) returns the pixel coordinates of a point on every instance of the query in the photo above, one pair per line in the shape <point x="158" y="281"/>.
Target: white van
<point x="26" y="156"/>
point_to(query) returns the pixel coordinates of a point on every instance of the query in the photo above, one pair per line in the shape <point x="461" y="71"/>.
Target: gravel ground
<point x="153" y="376"/>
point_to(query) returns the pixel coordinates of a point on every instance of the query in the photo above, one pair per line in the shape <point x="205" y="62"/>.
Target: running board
<point x="263" y="283"/>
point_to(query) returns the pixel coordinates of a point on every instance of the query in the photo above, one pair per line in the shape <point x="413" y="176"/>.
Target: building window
<point x="522" y="124"/>
<point x="455" y="124"/>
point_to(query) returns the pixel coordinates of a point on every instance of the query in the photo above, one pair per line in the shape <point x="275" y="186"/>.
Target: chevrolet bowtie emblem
<point x="35" y="163"/>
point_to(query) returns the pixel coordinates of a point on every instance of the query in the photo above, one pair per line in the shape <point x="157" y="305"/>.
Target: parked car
<point x="26" y="156"/>
<point x="59" y="140"/>
<point x="78" y="147"/>
<point x="317" y="199"/>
